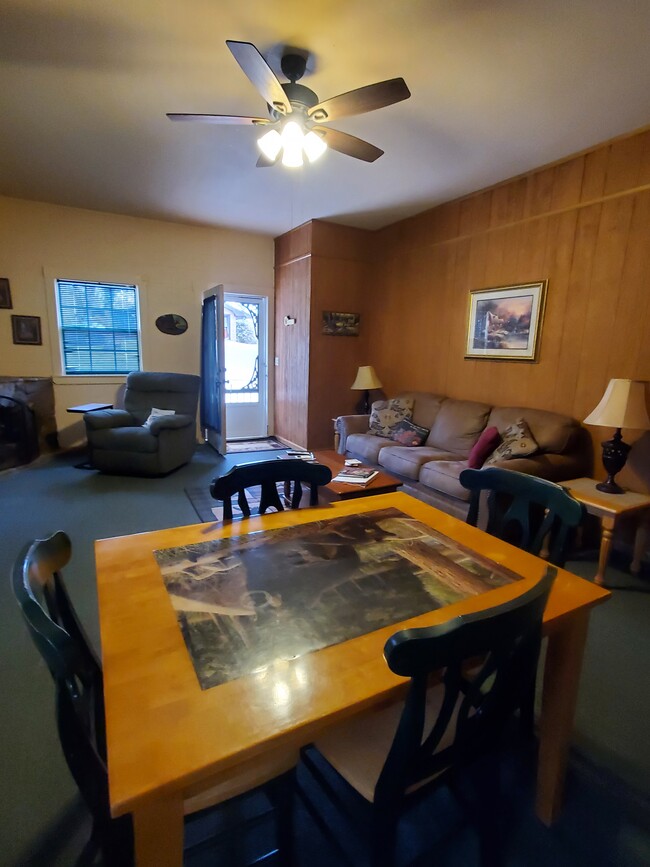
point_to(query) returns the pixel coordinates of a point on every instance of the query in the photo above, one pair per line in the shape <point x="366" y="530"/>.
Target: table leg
<point x="158" y="828"/>
<point x="560" y="692"/>
<point x="640" y="541"/>
<point x="606" y="535"/>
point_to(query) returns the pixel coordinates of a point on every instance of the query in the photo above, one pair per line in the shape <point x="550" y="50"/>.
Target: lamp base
<point x="609" y="487"/>
<point x="363" y="405"/>
<point x="615" y="453"/>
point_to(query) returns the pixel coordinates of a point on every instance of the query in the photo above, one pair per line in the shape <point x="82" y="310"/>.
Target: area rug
<point x="210" y="510"/>
<point x="265" y="445"/>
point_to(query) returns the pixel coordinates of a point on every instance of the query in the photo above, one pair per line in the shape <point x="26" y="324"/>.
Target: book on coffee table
<point x="355" y="475"/>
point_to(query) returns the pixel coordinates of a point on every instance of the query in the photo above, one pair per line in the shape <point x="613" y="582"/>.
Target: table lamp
<point x="366" y="380"/>
<point x="622" y="405"/>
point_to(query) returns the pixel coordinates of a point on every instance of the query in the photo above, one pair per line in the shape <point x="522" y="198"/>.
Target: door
<point x="246" y="360"/>
<point x="213" y="400"/>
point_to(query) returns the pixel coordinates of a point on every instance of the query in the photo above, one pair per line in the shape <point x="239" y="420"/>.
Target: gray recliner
<point x="120" y="442"/>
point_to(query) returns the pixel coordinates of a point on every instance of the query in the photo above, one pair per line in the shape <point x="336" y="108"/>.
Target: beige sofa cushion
<point x="406" y="461"/>
<point x="366" y="446"/>
<point x="458" y="425"/>
<point x="426" y="406"/>
<point x="552" y="432"/>
<point x="443" y="476"/>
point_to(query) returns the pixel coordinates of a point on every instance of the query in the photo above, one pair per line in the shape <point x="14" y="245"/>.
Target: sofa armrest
<point x="107" y="418"/>
<point x="170" y="422"/>
<point x="350" y="424"/>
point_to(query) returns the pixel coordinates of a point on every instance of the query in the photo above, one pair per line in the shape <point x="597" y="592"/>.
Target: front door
<point x="246" y="360"/>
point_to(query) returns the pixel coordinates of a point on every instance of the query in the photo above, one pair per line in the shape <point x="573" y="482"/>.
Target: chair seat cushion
<point x="125" y="439"/>
<point x="357" y="749"/>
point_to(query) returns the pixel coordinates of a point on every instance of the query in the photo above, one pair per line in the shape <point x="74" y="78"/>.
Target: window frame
<point x="91" y="275"/>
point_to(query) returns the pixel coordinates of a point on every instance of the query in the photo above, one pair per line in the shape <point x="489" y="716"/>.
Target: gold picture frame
<point x="505" y="323"/>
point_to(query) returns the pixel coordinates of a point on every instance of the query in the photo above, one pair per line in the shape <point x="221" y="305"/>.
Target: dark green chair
<point x="51" y="620"/>
<point x="468" y="678"/>
<point x="267" y="475"/>
<point x="526" y="511"/>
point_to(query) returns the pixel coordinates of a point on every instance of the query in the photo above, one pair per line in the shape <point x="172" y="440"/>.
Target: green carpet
<point x="39" y="801"/>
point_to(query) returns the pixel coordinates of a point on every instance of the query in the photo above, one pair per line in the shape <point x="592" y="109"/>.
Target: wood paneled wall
<point x="583" y="224"/>
<point x="319" y="266"/>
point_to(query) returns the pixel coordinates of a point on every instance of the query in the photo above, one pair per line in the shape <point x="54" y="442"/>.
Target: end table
<point x="609" y="508"/>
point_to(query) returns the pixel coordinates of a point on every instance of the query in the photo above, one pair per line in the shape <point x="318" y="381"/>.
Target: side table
<point x="82" y="408"/>
<point x="609" y="508"/>
<point x="89" y="407"/>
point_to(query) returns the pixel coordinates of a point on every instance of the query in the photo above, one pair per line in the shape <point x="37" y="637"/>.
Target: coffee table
<point x="383" y="483"/>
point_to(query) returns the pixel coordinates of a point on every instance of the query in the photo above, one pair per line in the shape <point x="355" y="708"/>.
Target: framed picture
<point x="26" y="329"/>
<point x="5" y="294"/>
<point x="340" y="324"/>
<point x="505" y="323"/>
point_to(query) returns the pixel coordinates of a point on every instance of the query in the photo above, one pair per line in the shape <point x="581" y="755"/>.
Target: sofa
<point x="430" y="471"/>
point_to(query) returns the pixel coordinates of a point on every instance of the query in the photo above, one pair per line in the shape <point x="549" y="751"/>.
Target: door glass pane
<point x="241" y="331"/>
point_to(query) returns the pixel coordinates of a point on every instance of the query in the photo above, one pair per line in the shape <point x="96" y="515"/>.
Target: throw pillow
<point x="517" y="442"/>
<point x="408" y="434"/>
<point x="385" y="414"/>
<point x="156" y="413"/>
<point x="483" y="447"/>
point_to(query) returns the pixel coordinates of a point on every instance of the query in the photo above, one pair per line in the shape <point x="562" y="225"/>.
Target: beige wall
<point x="172" y="263"/>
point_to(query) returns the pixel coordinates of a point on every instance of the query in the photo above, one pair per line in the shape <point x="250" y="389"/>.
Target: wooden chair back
<point x="267" y="475"/>
<point x="526" y="511"/>
<point x="55" y="629"/>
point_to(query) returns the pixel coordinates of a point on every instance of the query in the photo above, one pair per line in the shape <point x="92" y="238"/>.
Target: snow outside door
<point x="246" y="361"/>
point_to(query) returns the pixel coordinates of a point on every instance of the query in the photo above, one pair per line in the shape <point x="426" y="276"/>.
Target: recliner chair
<point x="120" y="442"/>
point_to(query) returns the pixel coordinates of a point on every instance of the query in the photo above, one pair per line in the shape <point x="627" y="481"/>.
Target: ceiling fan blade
<point x="361" y="100"/>
<point x="350" y="145"/>
<point x="220" y="118"/>
<point x="260" y="74"/>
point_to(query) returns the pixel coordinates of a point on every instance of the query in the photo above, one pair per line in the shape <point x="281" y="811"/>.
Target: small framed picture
<point x="505" y="323"/>
<point x="26" y="329"/>
<point x="340" y="324"/>
<point x="5" y="294"/>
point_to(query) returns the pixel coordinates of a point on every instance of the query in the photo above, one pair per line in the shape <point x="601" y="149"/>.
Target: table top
<point x="601" y="503"/>
<point x="165" y="733"/>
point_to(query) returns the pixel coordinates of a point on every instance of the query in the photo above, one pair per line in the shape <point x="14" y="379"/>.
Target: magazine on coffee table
<point x="355" y="475"/>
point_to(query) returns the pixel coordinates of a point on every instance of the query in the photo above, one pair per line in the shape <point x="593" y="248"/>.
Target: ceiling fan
<point x="296" y="117"/>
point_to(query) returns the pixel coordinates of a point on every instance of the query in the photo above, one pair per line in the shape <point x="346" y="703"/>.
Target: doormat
<point x="265" y="445"/>
<point x="210" y="510"/>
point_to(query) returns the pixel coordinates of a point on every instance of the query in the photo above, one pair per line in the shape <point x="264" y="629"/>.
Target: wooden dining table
<point x="167" y="737"/>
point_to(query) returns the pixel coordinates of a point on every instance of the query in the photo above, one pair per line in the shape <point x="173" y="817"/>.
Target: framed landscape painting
<point x="505" y="323"/>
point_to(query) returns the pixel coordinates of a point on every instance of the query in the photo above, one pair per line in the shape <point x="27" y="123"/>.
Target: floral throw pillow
<point x="386" y="414"/>
<point x="517" y="442"/>
<point x="406" y="433"/>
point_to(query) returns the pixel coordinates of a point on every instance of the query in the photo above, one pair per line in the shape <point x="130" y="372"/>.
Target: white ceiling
<point x="498" y="87"/>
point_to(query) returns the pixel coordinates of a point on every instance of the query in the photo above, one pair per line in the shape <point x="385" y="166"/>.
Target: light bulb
<point x="314" y="146"/>
<point x="270" y="144"/>
<point x="292" y="139"/>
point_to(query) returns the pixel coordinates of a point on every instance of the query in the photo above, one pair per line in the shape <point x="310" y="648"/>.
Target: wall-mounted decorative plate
<point x="171" y="323"/>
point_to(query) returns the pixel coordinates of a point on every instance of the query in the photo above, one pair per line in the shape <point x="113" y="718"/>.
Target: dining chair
<point x="267" y="475"/>
<point x="531" y="513"/>
<point x="55" y="629"/>
<point x="467" y="678"/>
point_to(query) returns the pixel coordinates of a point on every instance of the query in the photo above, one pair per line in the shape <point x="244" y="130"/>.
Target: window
<point x="99" y="327"/>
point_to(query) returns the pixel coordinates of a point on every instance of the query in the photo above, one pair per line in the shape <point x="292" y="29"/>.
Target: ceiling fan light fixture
<point x="314" y="146"/>
<point x="292" y="140"/>
<point x="270" y="144"/>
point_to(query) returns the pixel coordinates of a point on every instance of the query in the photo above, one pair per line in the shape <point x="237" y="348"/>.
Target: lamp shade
<point x="366" y="379"/>
<point x="622" y="406"/>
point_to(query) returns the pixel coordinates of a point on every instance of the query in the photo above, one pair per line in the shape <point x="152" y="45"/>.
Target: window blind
<point x="99" y="327"/>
